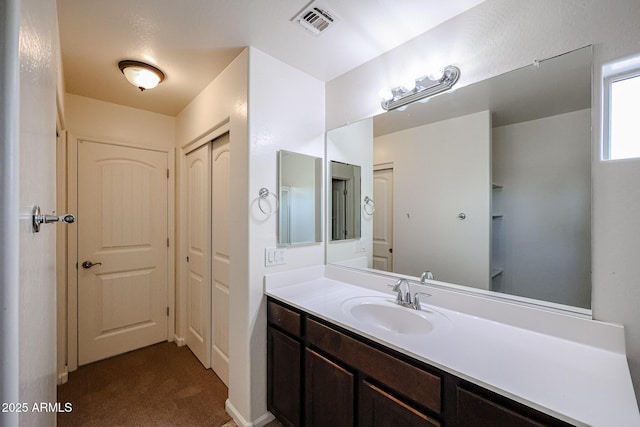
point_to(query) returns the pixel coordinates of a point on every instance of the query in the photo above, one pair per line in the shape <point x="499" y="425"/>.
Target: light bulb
<point x="435" y="74"/>
<point x="141" y="77"/>
<point x="385" y="94"/>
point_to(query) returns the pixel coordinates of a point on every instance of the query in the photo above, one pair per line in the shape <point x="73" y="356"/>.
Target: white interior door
<point x="383" y="220"/>
<point x="221" y="249"/>
<point x="122" y="298"/>
<point x="198" y="216"/>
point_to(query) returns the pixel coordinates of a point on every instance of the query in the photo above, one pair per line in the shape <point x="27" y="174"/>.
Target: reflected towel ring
<point x="369" y="207"/>
<point x="262" y="195"/>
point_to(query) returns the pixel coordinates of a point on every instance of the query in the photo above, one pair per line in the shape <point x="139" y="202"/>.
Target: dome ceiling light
<point x="141" y="75"/>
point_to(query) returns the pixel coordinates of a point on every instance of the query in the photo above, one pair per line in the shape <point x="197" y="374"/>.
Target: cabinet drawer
<point x="477" y="410"/>
<point x="284" y="318"/>
<point x="408" y="380"/>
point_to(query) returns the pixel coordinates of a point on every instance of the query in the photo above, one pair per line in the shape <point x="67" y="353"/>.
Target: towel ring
<point x="369" y="207"/>
<point x="263" y="194"/>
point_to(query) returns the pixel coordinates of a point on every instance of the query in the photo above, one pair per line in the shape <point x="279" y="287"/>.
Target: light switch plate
<point x="274" y="256"/>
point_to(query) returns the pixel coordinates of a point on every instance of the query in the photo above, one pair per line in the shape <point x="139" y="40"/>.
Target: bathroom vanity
<point x="342" y="353"/>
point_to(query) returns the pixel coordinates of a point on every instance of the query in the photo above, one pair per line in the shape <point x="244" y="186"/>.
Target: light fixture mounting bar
<point x="425" y="87"/>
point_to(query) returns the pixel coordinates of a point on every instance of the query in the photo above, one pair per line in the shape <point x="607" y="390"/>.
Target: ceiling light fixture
<point x="141" y="75"/>
<point x="424" y="87"/>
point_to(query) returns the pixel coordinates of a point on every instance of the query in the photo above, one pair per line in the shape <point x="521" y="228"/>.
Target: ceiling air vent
<point x="316" y="18"/>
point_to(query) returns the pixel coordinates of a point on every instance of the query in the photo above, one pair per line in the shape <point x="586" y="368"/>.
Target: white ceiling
<point x="192" y="41"/>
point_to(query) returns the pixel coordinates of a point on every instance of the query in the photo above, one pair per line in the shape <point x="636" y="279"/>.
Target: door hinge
<point x="167" y="173"/>
<point x="167" y="311"/>
<point x="167" y="242"/>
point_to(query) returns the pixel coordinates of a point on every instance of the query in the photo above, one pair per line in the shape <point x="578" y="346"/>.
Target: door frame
<point x="72" y="248"/>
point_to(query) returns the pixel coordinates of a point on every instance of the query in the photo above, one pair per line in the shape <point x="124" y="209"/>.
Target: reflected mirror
<point x="299" y="194"/>
<point x="488" y="187"/>
<point x="345" y="201"/>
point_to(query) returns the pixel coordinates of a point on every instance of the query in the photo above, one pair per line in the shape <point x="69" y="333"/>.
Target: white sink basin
<point x="384" y="314"/>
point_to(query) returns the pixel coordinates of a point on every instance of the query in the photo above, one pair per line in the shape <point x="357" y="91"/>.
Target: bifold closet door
<point x="198" y="261"/>
<point x="221" y="255"/>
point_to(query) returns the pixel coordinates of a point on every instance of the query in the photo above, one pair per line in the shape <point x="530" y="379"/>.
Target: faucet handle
<point x="396" y="288"/>
<point x="416" y="299"/>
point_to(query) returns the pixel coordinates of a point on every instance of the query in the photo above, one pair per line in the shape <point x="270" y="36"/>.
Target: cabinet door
<point x="379" y="409"/>
<point x="329" y="397"/>
<point x="284" y="377"/>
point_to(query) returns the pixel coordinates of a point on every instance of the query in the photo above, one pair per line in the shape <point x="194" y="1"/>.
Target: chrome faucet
<point x="404" y="298"/>
<point x="426" y="275"/>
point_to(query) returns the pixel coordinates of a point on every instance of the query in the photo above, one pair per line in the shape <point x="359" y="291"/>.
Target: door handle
<point x="89" y="264"/>
<point x="39" y="219"/>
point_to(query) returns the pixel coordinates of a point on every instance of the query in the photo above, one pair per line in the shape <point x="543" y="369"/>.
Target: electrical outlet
<point x="360" y="246"/>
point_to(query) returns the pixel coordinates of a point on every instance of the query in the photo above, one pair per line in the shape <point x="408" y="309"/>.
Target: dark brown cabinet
<point x="378" y="408"/>
<point x="284" y="381"/>
<point x="329" y="392"/>
<point x="479" y="408"/>
<point x="321" y="375"/>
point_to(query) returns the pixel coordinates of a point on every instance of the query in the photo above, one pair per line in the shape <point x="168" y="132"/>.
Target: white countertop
<point x="582" y="384"/>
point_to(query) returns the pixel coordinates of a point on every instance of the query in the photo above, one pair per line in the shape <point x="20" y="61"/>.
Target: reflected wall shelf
<point x="496" y="259"/>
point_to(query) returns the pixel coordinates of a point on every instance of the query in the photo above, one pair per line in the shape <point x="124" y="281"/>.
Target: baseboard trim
<point x="63" y="377"/>
<point x="239" y="419"/>
<point x="264" y="420"/>
<point x="179" y="341"/>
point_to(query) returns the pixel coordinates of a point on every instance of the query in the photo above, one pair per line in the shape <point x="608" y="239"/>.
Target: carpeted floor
<point x="160" y="385"/>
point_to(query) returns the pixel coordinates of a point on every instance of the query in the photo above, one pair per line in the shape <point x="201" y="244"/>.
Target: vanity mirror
<point x="299" y="194"/>
<point x="345" y="201"/>
<point x="487" y="187"/>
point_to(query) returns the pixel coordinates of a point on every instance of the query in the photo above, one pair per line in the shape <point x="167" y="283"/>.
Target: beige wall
<point x="104" y="121"/>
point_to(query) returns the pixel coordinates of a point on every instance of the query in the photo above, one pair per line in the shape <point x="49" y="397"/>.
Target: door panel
<point x="379" y="408"/>
<point x="329" y="392"/>
<point x="122" y="200"/>
<point x="199" y="254"/>
<point x="221" y="249"/>
<point x="383" y="220"/>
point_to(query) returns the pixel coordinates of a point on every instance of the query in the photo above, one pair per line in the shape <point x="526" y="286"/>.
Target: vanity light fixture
<point x="425" y="87"/>
<point x="140" y="74"/>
